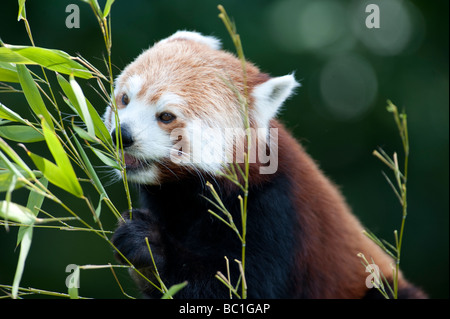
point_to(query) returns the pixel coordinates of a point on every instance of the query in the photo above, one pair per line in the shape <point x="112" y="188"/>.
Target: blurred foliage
<point x="347" y="73"/>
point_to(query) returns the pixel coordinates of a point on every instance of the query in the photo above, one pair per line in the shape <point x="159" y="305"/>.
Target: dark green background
<point x="347" y="73"/>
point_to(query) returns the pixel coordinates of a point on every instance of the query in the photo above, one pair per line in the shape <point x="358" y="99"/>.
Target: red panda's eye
<point x="166" y="117"/>
<point x="125" y="99"/>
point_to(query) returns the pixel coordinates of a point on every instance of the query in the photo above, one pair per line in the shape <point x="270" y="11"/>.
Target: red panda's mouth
<point x="131" y="161"/>
<point x="134" y="163"/>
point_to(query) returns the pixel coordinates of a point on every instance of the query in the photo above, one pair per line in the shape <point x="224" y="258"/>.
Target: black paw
<point x="130" y="239"/>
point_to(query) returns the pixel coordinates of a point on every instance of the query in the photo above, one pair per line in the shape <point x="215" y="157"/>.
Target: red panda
<point x="177" y="103"/>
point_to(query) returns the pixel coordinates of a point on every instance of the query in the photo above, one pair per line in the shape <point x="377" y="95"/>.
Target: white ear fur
<point x="212" y="42"/>
<point x="270" y="96"/>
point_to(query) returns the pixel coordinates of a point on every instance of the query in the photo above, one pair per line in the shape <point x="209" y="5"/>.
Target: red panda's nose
<point x="127" y="138"/>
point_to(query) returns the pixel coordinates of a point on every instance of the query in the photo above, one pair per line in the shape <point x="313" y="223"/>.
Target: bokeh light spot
<point x="310" y="25"/>
<point x="321" y="23"/>
<point x="348" y="86"/>
<point x="400" y="22"/>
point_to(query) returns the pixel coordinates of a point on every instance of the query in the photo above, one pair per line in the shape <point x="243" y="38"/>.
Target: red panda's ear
<point x="210" y="41"/>
<point x="270" y="96"/>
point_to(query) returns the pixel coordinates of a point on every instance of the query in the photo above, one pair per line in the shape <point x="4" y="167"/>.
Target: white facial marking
<point x="169" y="99"/>
<point x="134" y="85"/>
<point x="151" y="143"/>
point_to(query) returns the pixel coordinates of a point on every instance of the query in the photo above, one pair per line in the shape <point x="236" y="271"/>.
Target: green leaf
<point x="16" y="212"/>
<point x="6" y="178"/>
<point x="92" y="174"/>
<point x="61" y="174"/>
<point x="9" y="166"/>
<point x="107" y="8"/>
<point x="8" y="76"/>
<point x="99" y="207"/>
<point x="106" y="159"/>
<point x="173" y="290"/>
<point x="9" y="56"/>
<point x="20" y="133"/>
<point x="100" y="129"/>
<point x="24" y="249"/>
<point x="85" y="135"/>
<point x="56" y="175"/>
<point x="55" y="147"/>
<point x="32" y="94"/>
<point x="16" y="158"/>
<point x="81" y="101"/>
<point x="22" y="13"/>
<point x="8" y="114"/>
<point x="34" y="203"/>
<point x="71" y="98"/>
<point x="8" y="73"/>
<point x="55" y="60"/>
<point x="25" y="236"/>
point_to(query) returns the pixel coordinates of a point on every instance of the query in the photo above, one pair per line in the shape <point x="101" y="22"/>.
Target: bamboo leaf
<point x="68" y="91"/>
<point x="6" y="177"/>
<point x="16" y="158"/>
<point x="8" y="114"/>
<point x="55" y="60"/>
<point x="34" y="203"/>
<point x="85" y="135"/>
<point x="106" y="159"/>
<point x="12" y="186"/>
<point x="100" y="129"/>
<point x="8" y="73"/>
<point x="53" y="173"/>
<point x="90" y="169"/>
<point x="55" y="146"/>
<point x="9" y="56"/>
<point x="16" y="212"/>
<point x="20" y="133"/>
<point x="10" y="168"/>
<point x="81" y="101"/>
<point x="61" y="174"/>
<point x="24" y="249"/>
<point x="32" y="94"/>
<point x="99" y="207"/>
<point x="22" y="13"/>
<point x="107" y="8"/>
<point x="173" y="290"/>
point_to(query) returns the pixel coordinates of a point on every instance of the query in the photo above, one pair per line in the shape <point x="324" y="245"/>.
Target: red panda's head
<point x="180" y="107"/>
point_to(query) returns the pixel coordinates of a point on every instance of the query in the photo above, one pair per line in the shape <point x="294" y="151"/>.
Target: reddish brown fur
<point x="331" y="236"/>
<point x="196" y="72"/>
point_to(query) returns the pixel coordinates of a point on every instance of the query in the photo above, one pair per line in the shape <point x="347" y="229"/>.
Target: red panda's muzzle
<point x="132" y="162"/>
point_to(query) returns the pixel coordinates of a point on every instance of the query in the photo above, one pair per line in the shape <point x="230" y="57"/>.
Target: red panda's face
<point x="178" y="107"/>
